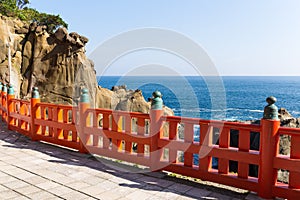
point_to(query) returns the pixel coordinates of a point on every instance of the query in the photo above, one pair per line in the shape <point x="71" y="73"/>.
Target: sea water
<point x="233" y="98"/>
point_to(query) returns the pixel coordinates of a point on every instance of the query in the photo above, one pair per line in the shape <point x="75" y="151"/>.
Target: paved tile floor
<point x="36" y="170"/>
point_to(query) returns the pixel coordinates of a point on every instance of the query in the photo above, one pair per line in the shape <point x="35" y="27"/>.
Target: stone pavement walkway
<point x="36" y="170"/>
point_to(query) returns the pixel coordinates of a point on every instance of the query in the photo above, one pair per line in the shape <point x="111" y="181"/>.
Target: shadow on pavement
<point x="139" y="178"/>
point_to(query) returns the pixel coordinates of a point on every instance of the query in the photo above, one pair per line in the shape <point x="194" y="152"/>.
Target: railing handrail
<point x="215" y="123"/>
<point x="117" y="112"/>
<point x="51" y="105"/>
<point x="289" y="131"/>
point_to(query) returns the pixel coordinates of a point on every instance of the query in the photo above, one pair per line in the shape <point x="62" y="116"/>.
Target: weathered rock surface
<point x="57" y="65"/>
<point x="286" y="120"/>
<point x="9" y="36"/>
<point x="119" y="98"/>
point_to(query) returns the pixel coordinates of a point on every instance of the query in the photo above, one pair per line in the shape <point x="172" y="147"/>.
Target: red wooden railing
<point x="153" y="140"/>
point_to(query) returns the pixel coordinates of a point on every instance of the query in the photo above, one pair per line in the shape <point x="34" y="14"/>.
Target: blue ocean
<point x="222" y="98"/>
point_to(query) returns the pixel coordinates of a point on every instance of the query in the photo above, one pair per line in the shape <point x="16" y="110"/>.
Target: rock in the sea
<point x="119" y="98"/>
<point x="284" y="114"/>
<point x="287" y="120"/>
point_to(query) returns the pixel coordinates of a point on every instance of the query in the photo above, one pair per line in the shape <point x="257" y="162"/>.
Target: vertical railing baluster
<point x="172" y="136"/>
<point x="205" y="142"/>
<point x="141" y="132"/>
<point x="128" y="126"/>
<point x="244" y="146"/>
<point x="188" y="138"/>
<point x="223" y="164"/>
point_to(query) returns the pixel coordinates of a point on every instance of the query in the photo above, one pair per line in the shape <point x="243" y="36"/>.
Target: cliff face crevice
<point x="56" y="63"/>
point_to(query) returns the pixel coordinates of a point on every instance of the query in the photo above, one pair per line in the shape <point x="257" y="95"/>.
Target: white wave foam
<point x="217" y="110"/>
<point x="295" y="112"/>
<point x="259" y="111"/>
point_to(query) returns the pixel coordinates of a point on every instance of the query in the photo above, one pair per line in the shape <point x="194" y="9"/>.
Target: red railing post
<point x="1" y="98"/>
<point x="268" y="150"/>
<point x="83" y="106"/>
<point x="10" y="106"/>
<point x="269" y="144"/>
<point x="155" y="130"/>
<point x="4" y="103"/>
<point x="35" y="112"/>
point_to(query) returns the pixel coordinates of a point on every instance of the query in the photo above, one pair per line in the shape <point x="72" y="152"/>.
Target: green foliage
<point x="8" y="7"/>
<point x="51" y="21"/>
<point x="17" y="8"/>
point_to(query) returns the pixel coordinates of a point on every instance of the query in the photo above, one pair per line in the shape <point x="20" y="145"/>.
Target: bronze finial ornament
<point x="271" y="110"/>
<point x="156" y="101"/>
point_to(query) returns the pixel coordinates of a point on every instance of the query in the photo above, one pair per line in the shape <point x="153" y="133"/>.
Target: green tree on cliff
<point x="18" y="8"/>
<point x="11" y="7"/>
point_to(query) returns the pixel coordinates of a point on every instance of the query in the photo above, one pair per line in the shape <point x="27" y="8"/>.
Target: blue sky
<point x="257" y="37"/>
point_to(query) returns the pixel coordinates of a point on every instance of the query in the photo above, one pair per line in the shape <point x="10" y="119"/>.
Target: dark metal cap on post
<point x="11" y="90"/>
<point x="271" y="110"/>
<point x="35" y="93"/>
<point x="84" y="98"/>
<point x="156" y="101"/>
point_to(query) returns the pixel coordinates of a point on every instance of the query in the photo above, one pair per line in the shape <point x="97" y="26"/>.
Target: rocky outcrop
<point x="286" y="120"/>
<point x="120" y="98"/>
<point x="56" y="64"/>
<point x="12" y="35"/>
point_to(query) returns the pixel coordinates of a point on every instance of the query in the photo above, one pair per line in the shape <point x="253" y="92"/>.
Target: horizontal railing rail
<point x="204" y="149"/>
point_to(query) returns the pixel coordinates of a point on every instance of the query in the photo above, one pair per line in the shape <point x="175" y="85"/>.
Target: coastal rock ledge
<point x="56" y="63"/>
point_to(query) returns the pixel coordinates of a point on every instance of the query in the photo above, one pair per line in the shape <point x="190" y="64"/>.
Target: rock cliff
<point x="56" y="63"/>
<point x="11" y="37"/>
<point x="52" y="62"/>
